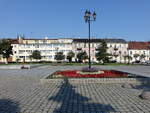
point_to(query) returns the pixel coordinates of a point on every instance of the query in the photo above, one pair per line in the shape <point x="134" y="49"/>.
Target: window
<point x="36" y="46"/>
<point x="130" y="52"/>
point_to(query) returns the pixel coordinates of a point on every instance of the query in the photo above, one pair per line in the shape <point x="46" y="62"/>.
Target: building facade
<point x="138" y="49"/>
<point x="82" y="45"/>
<point x="48" y="47"/>
<point x="117" y="48"/>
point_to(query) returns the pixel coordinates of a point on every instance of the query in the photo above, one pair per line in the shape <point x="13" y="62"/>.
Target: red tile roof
<point x="14" y="41"/>
<point x="139" y="45"/>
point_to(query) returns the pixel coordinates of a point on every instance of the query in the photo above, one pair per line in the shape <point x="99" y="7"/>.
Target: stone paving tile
<point x="22" y="92"/>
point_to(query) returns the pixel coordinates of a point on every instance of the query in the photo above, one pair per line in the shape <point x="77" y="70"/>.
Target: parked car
<point x="147" y="62"/>
<point x="112" y="61"/>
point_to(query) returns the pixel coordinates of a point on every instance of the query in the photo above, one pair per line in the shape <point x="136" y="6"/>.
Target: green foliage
<point x="70" y="55"/>
<point x="136" y="56"/>
<point x="102" y="54"/>
<point x="127" y="57"/>
<point x="59" y="56"/>
<point x="17" y="60"/>
<point x="82" y="56"/>
<point x="142" y="57"/>
<point x="36" y="55"/>
<point x="5" y="49"/>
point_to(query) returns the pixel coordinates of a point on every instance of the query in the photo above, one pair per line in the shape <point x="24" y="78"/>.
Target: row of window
<point x="43" y="45"/>
<point x="143" y="52"/>
<point x="29" y="57"/>
<point x="117" y="46"/>
<point x="87" y="45"/>
<point x="42" y="51"/>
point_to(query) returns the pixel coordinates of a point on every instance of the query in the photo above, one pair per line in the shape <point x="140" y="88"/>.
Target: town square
<point x="21" y="91"/>
<point x="74" y="56"/>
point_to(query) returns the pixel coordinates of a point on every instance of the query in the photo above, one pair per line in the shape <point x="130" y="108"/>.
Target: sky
<point x="127" y="19"/>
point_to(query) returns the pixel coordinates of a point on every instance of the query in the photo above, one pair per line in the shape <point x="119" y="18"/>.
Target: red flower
<point x="106" y="74"/>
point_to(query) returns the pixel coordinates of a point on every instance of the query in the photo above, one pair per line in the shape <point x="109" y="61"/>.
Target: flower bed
<point x="76" y="74"/>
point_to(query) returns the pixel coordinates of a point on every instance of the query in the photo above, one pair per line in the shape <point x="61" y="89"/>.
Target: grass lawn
<point x="72" y="64"/>
<point x="106" y="64"/>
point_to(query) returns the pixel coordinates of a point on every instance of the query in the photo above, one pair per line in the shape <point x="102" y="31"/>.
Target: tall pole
<point x="89" y="45"/>
<point x="88" y="20"/>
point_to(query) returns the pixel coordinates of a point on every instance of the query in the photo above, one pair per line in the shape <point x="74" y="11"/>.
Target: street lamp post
<point x="88" y="18"/>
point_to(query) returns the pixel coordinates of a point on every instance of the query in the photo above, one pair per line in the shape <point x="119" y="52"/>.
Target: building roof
<point x="113" y="40"/>
<point x="99" y="40"/>
<point x="86" y="40"/>
<point x="14" y="41"/>
<point x="139" y="45"/>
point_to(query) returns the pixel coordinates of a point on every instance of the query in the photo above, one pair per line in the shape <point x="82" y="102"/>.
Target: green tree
<point x="127" y="57"/>
<point x="5" y="49"/>
<point x="142" y="57"/>
<point x="59" y="56"/>
<point x="102" y="54"/>
<point x="81" y="56"/>
<point x="36" y="55"/>
<point x="136" y="56"/>
<point x="17" y="60"/>
<point x="70" y="55"/>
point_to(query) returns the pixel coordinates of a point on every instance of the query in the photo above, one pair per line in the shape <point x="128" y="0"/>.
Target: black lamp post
<point x="88" y="18"/>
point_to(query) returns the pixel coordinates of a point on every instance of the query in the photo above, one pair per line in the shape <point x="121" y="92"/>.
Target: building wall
<point x="47" y="49"/>
<point x="80" y="46"/>
<point x="119" y="50"/>
<point x="140" y="52"/>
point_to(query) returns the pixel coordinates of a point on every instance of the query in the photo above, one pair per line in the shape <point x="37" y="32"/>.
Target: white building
<point x="48" y="47"/>
<point x="117" y="48"/>
<point x="83" y="45"/>
<point x="138" y="49"/>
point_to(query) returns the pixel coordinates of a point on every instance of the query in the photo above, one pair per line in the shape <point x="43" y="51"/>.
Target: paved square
<point x="22" y="92"/>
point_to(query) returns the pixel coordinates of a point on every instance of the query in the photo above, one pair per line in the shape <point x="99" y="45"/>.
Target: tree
<point x="17" y="60"/>
<point x="36" y="55"/>
<point x="5" y="49"/>
<point x="102" y="54"/>
<point x="142" y="57"/>
<point x="70" y="55"/>
<point x="81" y="56"/>
<point x="136" y="56"/>
<point x="127" y="57"/>
<point x="59" y="56"/>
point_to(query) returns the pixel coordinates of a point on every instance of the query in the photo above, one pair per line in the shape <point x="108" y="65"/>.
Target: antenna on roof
<point x="17" y="36"/>
<point x="23" y="36"/>
<point x="31" y="35"/>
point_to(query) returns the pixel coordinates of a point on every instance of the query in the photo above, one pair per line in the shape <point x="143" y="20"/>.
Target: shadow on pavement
<point x="8" y="106"/>
<point x="70" y="101"/>
<point x="145" y="84"/>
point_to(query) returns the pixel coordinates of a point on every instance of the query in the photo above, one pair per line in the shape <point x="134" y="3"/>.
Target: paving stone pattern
<point x="22" y="92"/>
